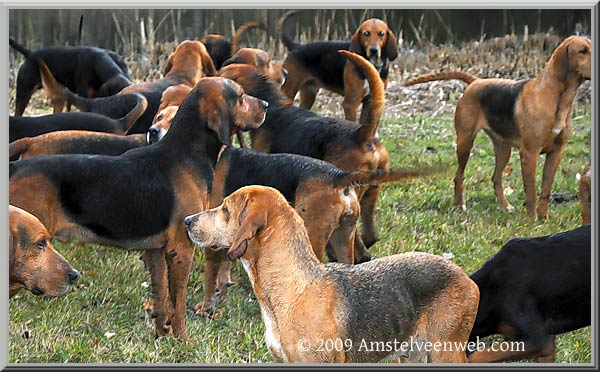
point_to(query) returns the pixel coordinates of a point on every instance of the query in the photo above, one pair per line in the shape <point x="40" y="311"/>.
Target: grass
<point x="102" y="321"/>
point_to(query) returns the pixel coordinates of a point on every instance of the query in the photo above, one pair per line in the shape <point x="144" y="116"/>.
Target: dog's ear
<point x="391" y="46"/>
<point x="251" y="220"/>
<point x="560" y="65"/>
<point x="169" y="64"/>
<point x="218" y="121"/>
<point x="356" y="45"/>
<point x="208" y="67"/>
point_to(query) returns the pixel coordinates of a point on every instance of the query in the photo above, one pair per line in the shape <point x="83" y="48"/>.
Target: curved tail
<point x="443" y="75"/>
<point x="377" y="96"/>
<point x="80" y="30"/>
<point x="131" y="117"/>
<point x="19" y="48"/>
<point x="235" y="41"/>
<point x="16" y="148"/>
<point x="376" y="177"/>
<point x="286" y="38"/>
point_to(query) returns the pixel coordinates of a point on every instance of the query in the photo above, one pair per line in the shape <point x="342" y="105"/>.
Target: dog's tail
<point x="19" y="48"/>
<point x="377" y="177"/>
<point x="131" y="117"/>
<point x="235" y="40"/>
<point x="16" y="148"/>
<point x="443" y="75"/>
<point x="80" y="30"/>
<point x="377" y="96"/>
<point x="284" y="34"/>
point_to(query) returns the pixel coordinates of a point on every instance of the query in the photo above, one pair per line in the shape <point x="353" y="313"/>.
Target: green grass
<point x="413" y="216"/>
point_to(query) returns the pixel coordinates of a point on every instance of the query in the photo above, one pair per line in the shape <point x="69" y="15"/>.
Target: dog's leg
<point x="211" y="270"/>
<point x="464" y="143"/>
<point x="502" y="152"/>
<point x="157" y="266"/>
<point x="551" y="357"/>
<point x="367" y="213"/>
<point x="528" y="168"/>
<point x="308" y="95"/>
<point x="241" y="139"/>
<point x="23" y="95"/>
<point x="550" y="167"/>
<point x="223" y="280"/>
<point x="180" y="254"/>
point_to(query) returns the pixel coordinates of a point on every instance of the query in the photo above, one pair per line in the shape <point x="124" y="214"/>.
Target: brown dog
<point x="169" y="103"/>
<point x="318" y="64"/>
<point x="151" y="188"/>
<point x="532" y="115"/>
<point x="585" y="195"/>
<point x="34" y="265"/>
<point x="303" y="301"/>
<point x="262" y="61"/>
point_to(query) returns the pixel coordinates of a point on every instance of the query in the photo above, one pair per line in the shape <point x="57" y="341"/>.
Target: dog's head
<point x="375" y="41"/>
<point x="573" y="56"/>
<point x="161" y="124"/>
<point x="191" y="60"/>
<point x="34" y="264"/>
<point x="173" y="95"/>
<point x="244" y="217"/>
<point x="224" y="105"/>
<point x="262" y="61"/>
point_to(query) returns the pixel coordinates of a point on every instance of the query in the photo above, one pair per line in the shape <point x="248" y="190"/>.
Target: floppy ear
<point x="219" y="123"/>
<point x="561" y="61"/>
<point x="12" y="242"/>
<point x="391" y="46"/>
<point x="251" y="220"/>
<point x="355" y="45"/>
<point x="169" y="63"/>
<point x="208" y="67"/>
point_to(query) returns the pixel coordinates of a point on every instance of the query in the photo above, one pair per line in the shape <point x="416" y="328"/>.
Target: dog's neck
<point x="286" y="266"/>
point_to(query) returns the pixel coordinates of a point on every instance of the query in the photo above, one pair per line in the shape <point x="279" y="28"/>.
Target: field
<point x="103" y="321"/>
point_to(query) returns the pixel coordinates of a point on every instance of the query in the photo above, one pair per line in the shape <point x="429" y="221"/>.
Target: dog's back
<point x="551" y="271"/>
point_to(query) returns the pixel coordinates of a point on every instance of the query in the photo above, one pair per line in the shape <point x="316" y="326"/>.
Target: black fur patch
<point x="498" y="102"/>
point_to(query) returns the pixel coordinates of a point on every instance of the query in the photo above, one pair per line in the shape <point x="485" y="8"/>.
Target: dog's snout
<point x="374" y="50"/>
<point x="73" y="275"/>
<point x="188" y="220"/>
<point x="153" y="131"/>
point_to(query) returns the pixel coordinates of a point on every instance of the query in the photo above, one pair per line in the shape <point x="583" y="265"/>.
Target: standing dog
<point x="532" y="115"/>
<point x="138" y="200"/>
<point x="88" y="71"/>
<point x="34" y="265"/>
<point x="319" y="64"/>
<point x="304" y="302"/>
<point x="533" y="289"/>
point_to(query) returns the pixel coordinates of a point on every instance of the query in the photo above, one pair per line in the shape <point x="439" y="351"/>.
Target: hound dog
<point x="532" y="115"/>
<point x="532" y="290"/>
<point x="34" y="264"/>
<point x="318" y="64"/>
<point x="74" y="142"/>
<point x="138" y="200"/>
<point x="322" y="194"/>
<point x="169" y="103"/>
<point x="186" y="65"/>
<point x="585" y="195"/>
<point x="346" y="144"/>
<point x="88" y="71"/>
<point x="262" y="61"/>
<point x="303" y="301"/>
<point x="220" y="49"/>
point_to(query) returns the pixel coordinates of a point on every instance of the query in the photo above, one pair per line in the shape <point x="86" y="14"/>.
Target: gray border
<point x="277" y="4"/>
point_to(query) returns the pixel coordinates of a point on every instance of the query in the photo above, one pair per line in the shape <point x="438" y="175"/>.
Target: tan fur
<point x="585" y="195"/>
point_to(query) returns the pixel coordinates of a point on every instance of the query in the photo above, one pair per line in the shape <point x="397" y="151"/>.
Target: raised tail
<point x="443" y="75"/>
<point x="377" y="96"/>
<point x="376" y="177"/>
<point x="235" y="41"/>
<point x="19" y="48"/>
<point x="140" y="107"/>
<point x="80" y="30"/>
<point x="16" y="148"/>
<point x="286" y="38"/>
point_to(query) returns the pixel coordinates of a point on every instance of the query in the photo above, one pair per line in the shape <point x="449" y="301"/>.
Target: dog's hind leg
<point x="464" y="143"/>
<point x="550" y="166"/>
<point x="367" y="212"/>
<point x="502" y="151"/>
<point x="308" y="95"/>
<point x="211" y="276"/>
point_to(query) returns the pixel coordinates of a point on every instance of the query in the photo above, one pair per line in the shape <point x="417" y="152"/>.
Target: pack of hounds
<point x="151" y="166"/>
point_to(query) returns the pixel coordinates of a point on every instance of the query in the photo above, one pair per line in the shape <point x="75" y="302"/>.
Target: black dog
<point x="533" y="289"/>
<point x="88" y="71"/>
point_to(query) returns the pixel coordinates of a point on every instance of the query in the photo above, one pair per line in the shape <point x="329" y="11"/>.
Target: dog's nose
<point x="153" y="131"/>
<point x="373" y="50"/>
<point x="73" y="275"/>
<point x="264" y="104"/>
<point x="188" y="220"/>
<point x="285" y="72"/>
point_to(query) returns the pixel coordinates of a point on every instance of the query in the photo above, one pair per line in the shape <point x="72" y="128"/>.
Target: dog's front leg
<point x="550" y="167"/>
<point x="180" y="254"/>
<point x="157" y="266"/>
<point x="528" y="168"/>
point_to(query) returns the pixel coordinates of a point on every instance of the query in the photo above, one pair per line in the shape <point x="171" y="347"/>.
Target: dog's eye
<point x="225" y="211"/>
<point x="381" y="33"/>
<point x="159" y="118"/>
<point x="41" y="244"/>
<point x="367" y="33"/>
<point x="585" y="51"/>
